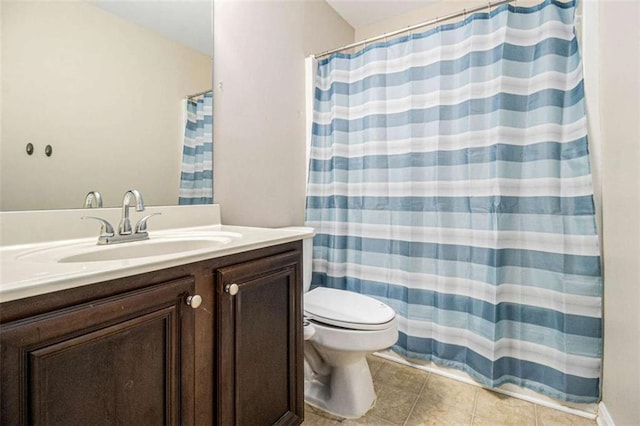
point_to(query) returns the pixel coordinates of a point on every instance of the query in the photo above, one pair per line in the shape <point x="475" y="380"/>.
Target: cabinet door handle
<point x="194" y="301"/>
<point x="232" y="289"/>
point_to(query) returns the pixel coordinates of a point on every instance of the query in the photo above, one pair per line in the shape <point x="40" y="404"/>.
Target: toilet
<point x="340" y="329"/>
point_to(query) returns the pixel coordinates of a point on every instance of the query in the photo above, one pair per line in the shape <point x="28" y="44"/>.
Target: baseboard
<point x="604" y="418"/>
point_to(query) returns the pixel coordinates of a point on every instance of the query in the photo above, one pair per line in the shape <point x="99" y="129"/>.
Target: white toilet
<point x="341" y="328"/>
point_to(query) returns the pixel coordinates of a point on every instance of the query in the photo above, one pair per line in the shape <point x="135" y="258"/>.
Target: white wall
<point x="259" y="119"/>
<point x="105" y="93"/>
<point x="620" y="113"/>
<point x="424" y="14"/>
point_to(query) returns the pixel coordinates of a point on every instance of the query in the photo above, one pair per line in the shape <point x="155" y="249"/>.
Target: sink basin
<point x="152" y="248"/>
<point x="156" y="246"/>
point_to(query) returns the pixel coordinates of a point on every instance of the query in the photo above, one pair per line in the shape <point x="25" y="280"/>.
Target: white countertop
<point x="30" y="269"/>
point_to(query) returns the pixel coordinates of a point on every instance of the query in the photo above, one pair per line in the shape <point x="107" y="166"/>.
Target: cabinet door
<point x="126" y="359"/>
<point x="260" y="376"/>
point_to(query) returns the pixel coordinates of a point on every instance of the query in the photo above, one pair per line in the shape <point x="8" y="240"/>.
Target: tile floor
<point x="408" y="396"/>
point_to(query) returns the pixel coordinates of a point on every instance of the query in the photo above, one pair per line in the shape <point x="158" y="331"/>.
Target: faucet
<point x="89" y="199"/>
<point x="107" y="233"/>
<point x="125" y="223"/>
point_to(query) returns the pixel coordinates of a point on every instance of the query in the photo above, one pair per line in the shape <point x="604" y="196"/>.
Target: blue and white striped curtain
<point x="449" y="177"/>
<point x="196" y="178"/>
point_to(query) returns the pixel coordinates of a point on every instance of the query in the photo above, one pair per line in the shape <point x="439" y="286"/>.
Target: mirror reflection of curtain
<point x="196" y="177"/>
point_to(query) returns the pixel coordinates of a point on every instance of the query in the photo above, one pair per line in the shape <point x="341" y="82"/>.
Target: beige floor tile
<point x="481" y="421"/>
<point x="311" y="419"/>
<point x="418" y="398"/>
<point x="375" y="363"/>
<point x="393" y="404"/>
<point x="496" y="409"/>
<point x="551" y="417"/>
<point x="428" y="413"/>
<point x="309" y="409"/>
<point x="444" y="391"/>
<point x="368" y="419"/>
<point x="408" y="378"/>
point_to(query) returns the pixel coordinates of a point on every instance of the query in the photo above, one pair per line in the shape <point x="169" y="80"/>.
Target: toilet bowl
<point x="337" y="376"/>
<point x="341" y="328"/>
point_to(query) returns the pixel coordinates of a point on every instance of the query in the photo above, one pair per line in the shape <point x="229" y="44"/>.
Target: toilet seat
<point x="347" y="309"/>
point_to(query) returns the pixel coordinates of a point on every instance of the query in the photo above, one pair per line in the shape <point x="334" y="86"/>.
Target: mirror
<point x="103" y="84"/>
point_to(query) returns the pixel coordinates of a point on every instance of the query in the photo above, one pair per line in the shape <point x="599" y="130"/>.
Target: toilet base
<point x="346" y="392"/>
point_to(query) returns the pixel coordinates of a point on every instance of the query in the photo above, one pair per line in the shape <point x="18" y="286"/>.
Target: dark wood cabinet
<point x="259" y="342"/>
<point x="126" y="359"/>
<point x="131" y="351"/>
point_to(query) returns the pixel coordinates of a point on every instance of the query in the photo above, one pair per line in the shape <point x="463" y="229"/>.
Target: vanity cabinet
<point x="259" y="348"/>
<point x="126" y="359"/>
<point x="132" y="350"/>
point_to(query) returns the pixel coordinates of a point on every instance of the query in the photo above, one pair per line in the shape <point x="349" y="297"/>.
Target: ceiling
<point x="186" y="21"/>
<point x="189" y="21"/>
<point x="359" y="13"/>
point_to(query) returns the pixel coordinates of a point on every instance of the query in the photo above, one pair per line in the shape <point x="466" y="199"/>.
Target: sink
<point x="156" y="246"/>
<point x="152" y="248"/>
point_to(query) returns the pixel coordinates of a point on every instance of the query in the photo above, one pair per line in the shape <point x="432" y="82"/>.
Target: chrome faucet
<point x="90" y="198"/>
<point x="108" y="235"/>
<point x="125" y="224"/>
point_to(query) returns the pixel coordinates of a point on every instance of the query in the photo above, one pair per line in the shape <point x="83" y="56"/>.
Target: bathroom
<point x="259" y="169"/>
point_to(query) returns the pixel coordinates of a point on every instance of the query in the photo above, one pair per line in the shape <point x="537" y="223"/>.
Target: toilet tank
<point x="307" y="256"/>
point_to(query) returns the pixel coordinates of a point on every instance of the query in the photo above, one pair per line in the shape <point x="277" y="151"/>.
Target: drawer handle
<point x="194" y="301"/>
<point x="232" y="289"/>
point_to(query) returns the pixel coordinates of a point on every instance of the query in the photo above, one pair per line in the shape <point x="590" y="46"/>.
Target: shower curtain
<point x="196" y="177"/>
<point x="449" y="177"/>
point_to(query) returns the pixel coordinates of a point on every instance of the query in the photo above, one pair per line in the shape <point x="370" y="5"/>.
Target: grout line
<point x="377" y="372"/>
<point x="535" y="412"/>
<point x="415" y="402"/>
<point x="475" y="405"/>
<point x="429" y="376"/>
<point x="476" y="397"/>
<point x="424" y="384"/>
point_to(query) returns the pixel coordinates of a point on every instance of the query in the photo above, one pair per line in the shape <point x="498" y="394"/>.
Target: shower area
<point x="449" y="177"/>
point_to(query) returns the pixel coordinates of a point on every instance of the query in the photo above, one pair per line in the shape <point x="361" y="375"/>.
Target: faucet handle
<point x="105" y="228"/>
<point x="141" y="226"/>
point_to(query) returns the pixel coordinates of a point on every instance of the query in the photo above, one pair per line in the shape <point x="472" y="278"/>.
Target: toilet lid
<point x="347" y="309"/>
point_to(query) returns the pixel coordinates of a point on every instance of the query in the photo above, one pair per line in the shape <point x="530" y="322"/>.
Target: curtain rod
<point x="463" y="12"/>
<point x="198" y="94"/>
